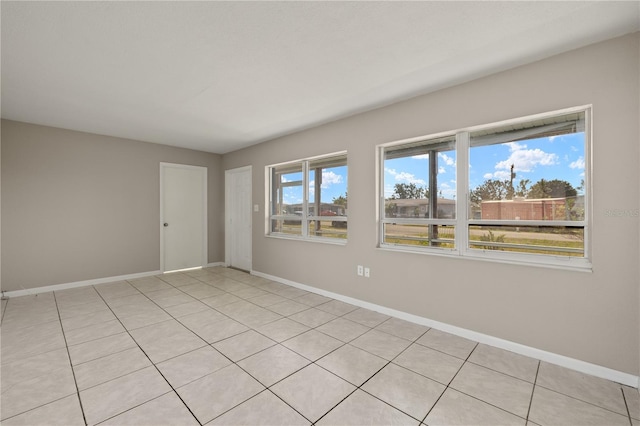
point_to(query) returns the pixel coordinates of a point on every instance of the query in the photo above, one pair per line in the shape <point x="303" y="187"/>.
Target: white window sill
<point x="552" y="262"/>
<point x="321" y="240"/>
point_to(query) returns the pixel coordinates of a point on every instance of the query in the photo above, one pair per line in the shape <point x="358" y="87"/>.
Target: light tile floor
<point x="219" y="346"/>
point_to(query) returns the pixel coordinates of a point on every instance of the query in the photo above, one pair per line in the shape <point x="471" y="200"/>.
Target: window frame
<point x="305" y="218"/>
<point x="463" y="221"/>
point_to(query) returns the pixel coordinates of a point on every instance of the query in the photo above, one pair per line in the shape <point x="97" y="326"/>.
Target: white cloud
<point x="330" y="178"/>
<point x="441" y="170"/>
<point x="525" y="160"/>
<point x="498" y="175"/>
<point x="578" y="164"/>
<point x="447" y="160"/>
<point x="405" y="177"/>
<point x="388" y="191"/>
<point x="291" y="198"/>
<point x="420" y="157"/>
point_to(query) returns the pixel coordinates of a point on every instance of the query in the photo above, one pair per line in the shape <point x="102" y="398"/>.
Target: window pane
<point x="420" y="180"/>
<point x="529" y="171"/>
<point x="293" y="227"/>
<point x="557" y="240"/>
<point x="286" y="185"/>
<point x="328" y="196"/>
<point x="419" y="235"/>
<point x="328" y="228"/>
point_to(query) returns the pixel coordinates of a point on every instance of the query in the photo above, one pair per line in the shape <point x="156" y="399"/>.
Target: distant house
<point x="419" y="207"/>
<point x="326" y="209"/>
<point x="532" y="209"/>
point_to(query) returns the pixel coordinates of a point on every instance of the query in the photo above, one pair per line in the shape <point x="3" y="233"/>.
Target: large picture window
<point x="308" y="198"/>
<point x="515" y="190"/>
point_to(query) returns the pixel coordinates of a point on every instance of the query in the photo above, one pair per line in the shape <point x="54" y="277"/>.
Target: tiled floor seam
<point x="624" y="398"/>
<point x="535" y="380"/>
<point x="587" y="402"/>
<point x="289" y="405"/>
<point x="448" y="384"/>
<point x="142" y="403"/>
<point x="73" y="372"/>
<point x="626" y="401"/>
<point x="155" y="366"/>
<point x="40" y="406"/>
<point x="474" y="397"/>
<point x="360" y="387"/>
<point x="4" y="300"/>
<point x="267" y="388"/>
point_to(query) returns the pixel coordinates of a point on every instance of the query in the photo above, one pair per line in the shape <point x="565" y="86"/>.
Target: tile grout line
<point x="308" y="307"/>
<point x="533" y="390"/>
<point x="4" y="310"/>
<point x="448" y="384"/>
<point x="266" y="388"/>
<point x="152" y="363"/>
<point x="359" y="387"/>
<point x="280" y="344"/>
<point x="66" y="345"/>
<point x="211" y="345"/>
<point x="624" y="398"/>
<point x="582" y="400"/>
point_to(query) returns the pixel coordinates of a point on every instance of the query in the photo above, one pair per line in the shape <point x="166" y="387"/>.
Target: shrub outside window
<point x="308" y="198"/>
<point x="514" y="191"/>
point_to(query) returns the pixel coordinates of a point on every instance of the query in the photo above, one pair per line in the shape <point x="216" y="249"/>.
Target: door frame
<point x="227" y="215"/>
<point x="205" y="240"/>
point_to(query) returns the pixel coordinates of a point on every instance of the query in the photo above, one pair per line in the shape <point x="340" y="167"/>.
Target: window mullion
<point x="305" y="198"/>
<point x="462" y="191"/>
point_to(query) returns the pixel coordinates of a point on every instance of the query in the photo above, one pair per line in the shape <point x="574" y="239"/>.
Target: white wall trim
<point x="211" y="265"/>
<point x="550" y="357"/>
<point x="66" y="286"/>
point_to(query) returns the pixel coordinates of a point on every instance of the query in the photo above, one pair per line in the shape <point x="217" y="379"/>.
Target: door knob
<point x="166" y="224"/>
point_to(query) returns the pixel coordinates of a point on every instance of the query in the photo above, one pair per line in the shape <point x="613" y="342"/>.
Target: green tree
<point x="490" y="190"/>
<point x="409" y="191"/>
<point x="341" y="200"/>
<point x="552" y="189"/>
<point x="523" y="188"/>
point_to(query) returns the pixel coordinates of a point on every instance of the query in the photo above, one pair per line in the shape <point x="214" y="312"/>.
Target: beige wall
<point x="78" y="206"/>
<point x="588" y="316"/>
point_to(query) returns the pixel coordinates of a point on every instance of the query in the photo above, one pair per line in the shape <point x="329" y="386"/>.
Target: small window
<point x="308" y="198"/>
<point x="516" y="191"/>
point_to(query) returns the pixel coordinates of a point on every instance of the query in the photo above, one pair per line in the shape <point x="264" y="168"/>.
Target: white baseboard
<point x="65" y="286"/>
<point x="58" y="287"/>
<point x="550" y="357"/>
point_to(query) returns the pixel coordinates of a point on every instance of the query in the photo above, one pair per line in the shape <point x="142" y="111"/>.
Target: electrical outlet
<point x="256" y="207"/>
<point x="360" y="270"/>
<point x="367" y="272"/>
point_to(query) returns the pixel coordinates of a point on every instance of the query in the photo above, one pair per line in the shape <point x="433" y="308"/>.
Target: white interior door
<point x="183" y="216"/>
<point x="238" y="218"/>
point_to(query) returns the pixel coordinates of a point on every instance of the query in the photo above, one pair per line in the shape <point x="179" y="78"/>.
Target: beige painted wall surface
<point x="588" y="316"/>
<point x="78" y="206"/>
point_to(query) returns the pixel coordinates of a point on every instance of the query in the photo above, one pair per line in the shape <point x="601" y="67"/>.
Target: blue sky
<point x="334" y="184"/>
<point x="556" y="157"/>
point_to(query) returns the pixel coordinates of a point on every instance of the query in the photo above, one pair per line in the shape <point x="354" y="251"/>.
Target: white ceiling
<point x="219" y="76"/>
